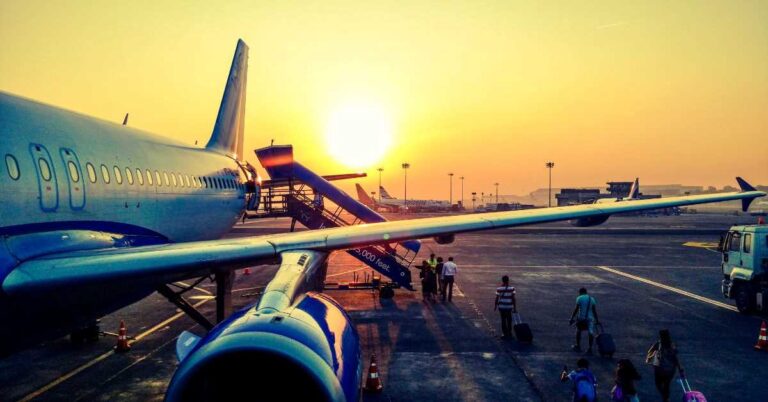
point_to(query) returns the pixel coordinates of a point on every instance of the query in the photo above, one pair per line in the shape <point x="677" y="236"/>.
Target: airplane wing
<point x="156" y="265"/>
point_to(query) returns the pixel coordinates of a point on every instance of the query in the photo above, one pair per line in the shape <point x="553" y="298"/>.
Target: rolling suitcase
<point x="690" y="395"/>
<point x="522" y="330"/>
<point x="605" y="345"/>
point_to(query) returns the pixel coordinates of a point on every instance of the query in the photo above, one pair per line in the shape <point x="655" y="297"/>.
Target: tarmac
<point x="646" y="273"/>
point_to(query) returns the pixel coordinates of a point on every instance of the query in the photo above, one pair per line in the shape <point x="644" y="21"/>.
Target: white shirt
<point x="450" y="269"/>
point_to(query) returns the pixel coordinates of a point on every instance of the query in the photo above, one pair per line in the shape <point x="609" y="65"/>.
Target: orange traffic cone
<point x="373" y="383"/>
<point x="762" y="340"/>
<point x="247" y="271"/>
<point x="122" y="339"/>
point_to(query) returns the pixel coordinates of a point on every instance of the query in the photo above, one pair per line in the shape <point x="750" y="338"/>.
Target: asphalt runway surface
<point x="647" y="273"/>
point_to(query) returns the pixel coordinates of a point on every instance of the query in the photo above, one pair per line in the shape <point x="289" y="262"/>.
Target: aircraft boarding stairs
<point x="297" y="192"/>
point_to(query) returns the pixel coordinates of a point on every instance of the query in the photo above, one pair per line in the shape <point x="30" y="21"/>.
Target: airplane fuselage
<point x="72" y="182"/>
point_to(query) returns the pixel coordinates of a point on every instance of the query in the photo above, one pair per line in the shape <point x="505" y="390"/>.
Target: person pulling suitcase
<point x="506" y="304"/>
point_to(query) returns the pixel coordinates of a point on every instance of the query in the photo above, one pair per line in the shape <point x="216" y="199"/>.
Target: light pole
<point x="550" y="165"/>
<point x="380" y="170"/>
<point x="462" y="191"/>
<point x="373" y="195"/>
<point x="473" y="200"/>
<point x="497" y="194"/>
<point x="450" y="197"/>
<point x="405" y="184"/>
<point x="482" y="197"/>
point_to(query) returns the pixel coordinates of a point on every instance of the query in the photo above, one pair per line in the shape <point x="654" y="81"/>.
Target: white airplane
<point x="96" y="215"/>
<point x="387" y="202"/>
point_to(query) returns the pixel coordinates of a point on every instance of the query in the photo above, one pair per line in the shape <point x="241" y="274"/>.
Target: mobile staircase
<point x="310" y="199"/>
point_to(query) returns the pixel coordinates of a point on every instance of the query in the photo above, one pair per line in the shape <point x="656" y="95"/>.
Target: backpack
<point x="584" y="386"/>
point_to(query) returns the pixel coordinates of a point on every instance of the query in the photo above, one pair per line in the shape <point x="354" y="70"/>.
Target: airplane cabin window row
<point x="132" y="177"/>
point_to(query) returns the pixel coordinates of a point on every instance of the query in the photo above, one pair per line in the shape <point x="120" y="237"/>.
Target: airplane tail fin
<point x="384" y="193"/>
<point x="227" y="135"/>
<point x="363" y="197"/>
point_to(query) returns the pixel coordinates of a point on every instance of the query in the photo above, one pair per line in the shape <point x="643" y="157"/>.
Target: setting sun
<point x="358" y="135"/>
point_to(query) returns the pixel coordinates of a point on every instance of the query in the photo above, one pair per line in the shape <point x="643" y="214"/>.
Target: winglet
<point x="744" y="185"/>
<point x="227" y="136"/>
<point x="744" y="188"/>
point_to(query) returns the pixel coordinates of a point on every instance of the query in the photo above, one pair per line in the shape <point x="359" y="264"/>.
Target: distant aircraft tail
<point x="634" y="191"/>
<point x="363" y="197"/>
<point x="227" y="135"/>
<point x="384" y="193"/>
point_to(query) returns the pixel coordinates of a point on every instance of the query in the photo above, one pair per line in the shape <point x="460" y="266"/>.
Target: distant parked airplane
<point x="390" y="203"/>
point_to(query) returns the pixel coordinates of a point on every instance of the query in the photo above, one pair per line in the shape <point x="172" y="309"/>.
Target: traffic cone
<point x="122" y="339"/>
<point x="247" y="271"/>
<point x="762" y="340"/>
<point x="373" y="383"/>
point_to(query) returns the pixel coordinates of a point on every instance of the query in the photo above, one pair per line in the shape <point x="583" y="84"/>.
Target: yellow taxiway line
<point x="103" y="356"/>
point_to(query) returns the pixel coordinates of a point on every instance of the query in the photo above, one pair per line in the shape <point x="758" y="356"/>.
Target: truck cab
<point x="745" y="266"/>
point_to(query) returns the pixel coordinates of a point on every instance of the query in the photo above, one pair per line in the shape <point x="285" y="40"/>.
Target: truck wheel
<point x="745" y="299"/>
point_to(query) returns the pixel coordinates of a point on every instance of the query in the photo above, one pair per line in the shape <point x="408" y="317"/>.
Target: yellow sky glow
<point x="672" y="92"/>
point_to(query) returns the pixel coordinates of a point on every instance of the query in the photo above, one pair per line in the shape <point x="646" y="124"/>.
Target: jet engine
<point x="589" y="221"/>
<point x="445" y="239"/>
<point x="295" y="337"/>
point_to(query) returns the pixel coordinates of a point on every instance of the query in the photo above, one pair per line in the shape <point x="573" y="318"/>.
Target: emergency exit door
<point x="75" y="179"/>
<point x="46" y="177"/>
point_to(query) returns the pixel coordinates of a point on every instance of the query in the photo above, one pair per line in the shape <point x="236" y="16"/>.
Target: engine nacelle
<point x="312" y="346"/>
<point x="589" y="221"/>
<point x="445" y="239"/>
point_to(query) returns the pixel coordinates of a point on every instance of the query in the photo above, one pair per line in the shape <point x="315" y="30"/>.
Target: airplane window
<point x="105" y="174"/>
<point x="13" y="166"/>
<point x="45" y="169"/>
<point x="205" y="182"/>
<point x="181" y="179"/>
<point x="157" y="179"/>
<point x="194" y="182"/>
<point x="128" y="175"/>
<point x="186" y="179"/>
<point x="74" y="174"/>
<point x="173" y="178"/>
<point x="165" y="176"/>
<point x="118" y="175"/>
<point x="217" y="182"/>
<point x="149" y="177"/>
<point x="91" y="172"/>
<point x="139" y="177"/>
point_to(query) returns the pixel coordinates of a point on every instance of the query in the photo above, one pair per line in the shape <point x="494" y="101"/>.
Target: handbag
<point x="617" y="393"/>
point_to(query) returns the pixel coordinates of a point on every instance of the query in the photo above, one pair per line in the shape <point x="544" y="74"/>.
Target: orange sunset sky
<point x="670" y="91"/>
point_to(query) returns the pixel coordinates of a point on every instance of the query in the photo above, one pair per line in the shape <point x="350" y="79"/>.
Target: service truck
<point x="745" y="267"/>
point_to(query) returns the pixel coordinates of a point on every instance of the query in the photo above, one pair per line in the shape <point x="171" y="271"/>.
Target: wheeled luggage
<point x="605" y="345"/>
<point x="522" y="330"/>
<point x="690" y="395"/>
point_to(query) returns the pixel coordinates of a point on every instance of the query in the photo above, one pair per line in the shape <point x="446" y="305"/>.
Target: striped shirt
<point x="505" y="295"/>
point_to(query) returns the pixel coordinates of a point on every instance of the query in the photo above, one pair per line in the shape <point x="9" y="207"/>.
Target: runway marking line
<point x="670" y="288"/>
<point x="103" y="356"/>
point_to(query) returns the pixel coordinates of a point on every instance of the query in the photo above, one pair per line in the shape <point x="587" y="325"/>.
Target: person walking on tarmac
<point x="585" y="317"/>
<point x="506" y="303"/>
<point x="449" y="274"/>
<point x="439" y="274"/>
<point x="663" y="357"/>
<point x="426" y="290"/>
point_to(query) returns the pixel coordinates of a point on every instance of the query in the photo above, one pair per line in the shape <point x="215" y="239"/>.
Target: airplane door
<point x="75" y="179"/>
<point x="46" y="177"/>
